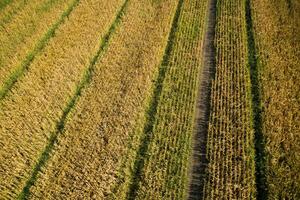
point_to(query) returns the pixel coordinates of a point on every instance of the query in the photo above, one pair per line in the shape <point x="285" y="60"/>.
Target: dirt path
<point x="199" y="161"/>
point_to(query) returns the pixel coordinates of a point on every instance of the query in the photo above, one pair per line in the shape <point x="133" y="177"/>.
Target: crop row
<point x="26" y="35"/>
<point x="87" y="160"/>
<point x="276" y="30"/>
<point x="20" y="37"/>
<point x="164" y="174"/>
<point x="30" y="112"/>
<point x="230" y="147"/>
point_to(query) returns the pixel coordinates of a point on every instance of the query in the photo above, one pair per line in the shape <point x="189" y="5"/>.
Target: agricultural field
<point x="149" y="99"/>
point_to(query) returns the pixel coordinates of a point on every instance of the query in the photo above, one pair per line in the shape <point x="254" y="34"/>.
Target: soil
<point x="199" y="159"/>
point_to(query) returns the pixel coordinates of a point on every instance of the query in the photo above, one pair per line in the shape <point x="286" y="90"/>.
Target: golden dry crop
<point x="149" y="99"/>
<point x="9" y="9"/>
<point x="230" y="143"/>
<point x="165" y="169"/>
<point x="276" y="27"/>
<point x="104" y="122"/>
<point x="30" y="112"/>
<point x="21" y="37"/>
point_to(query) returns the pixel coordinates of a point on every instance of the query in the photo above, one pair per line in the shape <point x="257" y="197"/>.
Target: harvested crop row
<point x="165" y="172"/>
<point x="86" y="162"/>
<point x="230" y="148"/>
<point x="276" y="30"/>
<point x="29" y="114"/>
<point x="20" y="37"/>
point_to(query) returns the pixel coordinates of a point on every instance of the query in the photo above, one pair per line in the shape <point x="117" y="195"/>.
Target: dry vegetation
<point x="99" y="99"/>
<point x="94" y="143"/>
<point x="29" y="113"/>
<point x="4" y="3"/>
<point x="21" y="36"/>
<point x="276" y="27"/>
<point x="231" y="138"/>
<point x="9" y="9"/>
<point x="165" y="171"/>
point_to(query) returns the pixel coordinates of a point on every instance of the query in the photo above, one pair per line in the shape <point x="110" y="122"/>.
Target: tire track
<point x="199" y="159"/>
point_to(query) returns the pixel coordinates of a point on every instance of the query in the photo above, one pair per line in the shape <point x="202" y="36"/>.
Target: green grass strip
<point x="260" y="153"/>
<point x="152" y="110"/>
<point x="20" y="71"/>
<point x="87" y="77"/>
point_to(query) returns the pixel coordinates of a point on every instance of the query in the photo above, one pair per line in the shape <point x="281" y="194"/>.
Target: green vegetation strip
<point x="260" y="157"/>
<point x="45" y="156"/>
<point x="13" y="78"/>
<point x="152" y="110"/>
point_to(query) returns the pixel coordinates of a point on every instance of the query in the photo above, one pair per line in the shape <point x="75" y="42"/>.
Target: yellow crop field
<point x="10" y="8"/>
<point x="149" y="99"/>
<point x="31" y="111"/>
<point x="278" y="66"/>
<point x="117" y="90"/>
<point x="230" y="143"/>
<point x="24" y="35"/>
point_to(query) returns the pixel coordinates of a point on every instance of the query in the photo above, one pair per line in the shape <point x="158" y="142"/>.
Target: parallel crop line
<point x="87" y="76"/>
<point x="230" y="139"/>
<point x="152" y="110"/>
<point x="165" y="170"/>
<point x="20" y="71"/>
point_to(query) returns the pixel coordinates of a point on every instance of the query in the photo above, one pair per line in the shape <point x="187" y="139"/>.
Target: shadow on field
<point x="260" y="154"/>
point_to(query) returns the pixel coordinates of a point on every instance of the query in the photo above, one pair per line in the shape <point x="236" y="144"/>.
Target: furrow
<point x="45" y="156"/>
<point x="275" y="86"/>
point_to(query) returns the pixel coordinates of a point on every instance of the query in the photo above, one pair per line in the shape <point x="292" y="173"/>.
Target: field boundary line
<point x="86" y="79"/>
<point x="199" y="145"/>
<point x="260" y="153"/>
<point x="24" y="66"/>
<point x="152" y="108"/>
